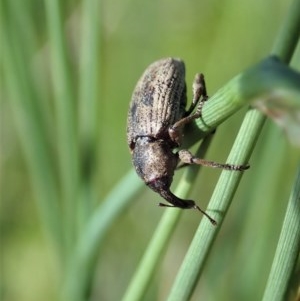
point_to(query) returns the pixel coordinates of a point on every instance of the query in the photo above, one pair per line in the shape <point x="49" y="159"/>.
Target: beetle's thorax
<point x="153" y="159"/>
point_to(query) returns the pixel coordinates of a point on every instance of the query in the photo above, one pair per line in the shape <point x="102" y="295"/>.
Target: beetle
<point x="156" y="119"/>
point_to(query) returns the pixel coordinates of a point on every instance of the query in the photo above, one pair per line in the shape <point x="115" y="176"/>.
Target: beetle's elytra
<point x="156" y="119"/>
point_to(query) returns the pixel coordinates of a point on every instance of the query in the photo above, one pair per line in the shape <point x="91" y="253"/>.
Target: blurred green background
<point x="64" y="101"/>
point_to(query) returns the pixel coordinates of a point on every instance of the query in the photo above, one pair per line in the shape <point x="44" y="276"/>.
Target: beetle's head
<point x="154" y="162"/>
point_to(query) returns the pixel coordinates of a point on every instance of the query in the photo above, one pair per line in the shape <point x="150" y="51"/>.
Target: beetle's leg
<point x="199" y="89"/>
<point x="187" y="157"/>
<point x="182" y="165"/>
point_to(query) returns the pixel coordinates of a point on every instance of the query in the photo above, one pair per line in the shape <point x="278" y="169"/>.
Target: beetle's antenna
<point x="194" y="207"/>
<point x="204" y="213"/>
<point x="180" y="203"/>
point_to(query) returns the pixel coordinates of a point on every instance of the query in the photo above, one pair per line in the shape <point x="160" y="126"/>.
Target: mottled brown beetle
<point x="156" y="119"/>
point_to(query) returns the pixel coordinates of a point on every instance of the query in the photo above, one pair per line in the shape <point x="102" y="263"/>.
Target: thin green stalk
<point x="29" y="117"/>
<point x="288" y="249"/>
<point x="154" y="252"/>
<point x="66" y="129"/>
<point x="159" y="242"/>
<point x="86" y="252"/>
<point x="288" y="36"/>
<point x="193" y="263"/>
<point x="89" y="83"/>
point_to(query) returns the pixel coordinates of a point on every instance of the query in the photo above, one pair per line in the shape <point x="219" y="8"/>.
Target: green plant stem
<point x="288" y="36"/>
<point x="287" y="250"/>
<point x="66" y="119"/>
<point x="29" y="116"/>
<point x="82" y="263"/>
<point x="89" y="91"/>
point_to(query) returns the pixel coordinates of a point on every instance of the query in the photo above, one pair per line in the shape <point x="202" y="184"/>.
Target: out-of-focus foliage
<point x="62" y="152"/>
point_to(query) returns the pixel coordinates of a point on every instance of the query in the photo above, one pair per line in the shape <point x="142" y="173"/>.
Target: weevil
<point x="156" y="119"/>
